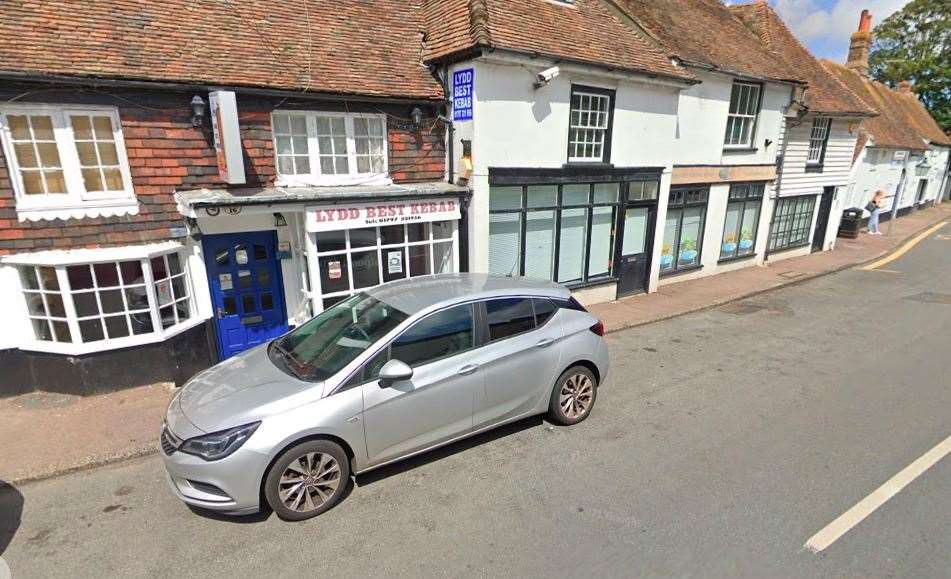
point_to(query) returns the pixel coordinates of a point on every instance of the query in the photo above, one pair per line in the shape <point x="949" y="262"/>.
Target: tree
<point x="915" y="44"/>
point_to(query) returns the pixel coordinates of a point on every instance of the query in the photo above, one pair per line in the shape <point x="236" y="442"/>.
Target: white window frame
<point x="98" y="256"/>
<point x="346" y="254"/>
<point x="76" y="202"/>
<point x="818" y="137"/>
<point x="746" y="117"/>
<point x="596" y="130"/>
<point x="315" y="177"/>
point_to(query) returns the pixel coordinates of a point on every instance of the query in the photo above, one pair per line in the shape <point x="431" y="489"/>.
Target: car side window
<point x="509" y="316"/>
<point x="544" y="310"/>
<point x="439" y="335"/>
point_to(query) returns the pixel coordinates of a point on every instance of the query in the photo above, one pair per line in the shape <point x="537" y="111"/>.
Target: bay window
<point x="742" y="220"/>
<point x="792" y="222"/>
<point x="85" y="307"/>
<point x="324" y="148"/>
<point x="563" y="233"/>
<point x="741" y="118"/>
<point x="683" y="229"/>
<point x="65" y="157"/>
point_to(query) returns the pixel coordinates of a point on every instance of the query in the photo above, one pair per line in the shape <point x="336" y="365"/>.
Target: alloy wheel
<point x="309" y="481"/>
<point x="576" y="396"/>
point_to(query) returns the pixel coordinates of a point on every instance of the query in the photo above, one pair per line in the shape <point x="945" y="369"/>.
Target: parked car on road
<point x="391" y="372"/>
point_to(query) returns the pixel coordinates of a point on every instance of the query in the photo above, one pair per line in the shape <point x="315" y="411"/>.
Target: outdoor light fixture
<point x="198" y="111"/>
<point x="279" y="220"/>
<point x="193" y="230"/>
<point x="922" y="168"/>
<point x="417" y="117"/>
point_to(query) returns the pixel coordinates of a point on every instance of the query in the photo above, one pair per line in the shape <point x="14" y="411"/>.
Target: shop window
<point x="322" y="148"/>
<point x="350" y="260"/>
<point x="741" y="119"/>
<point x="563" y="233"/>
<point x="742" y="221"/>
<point x="108" y="304"/>
<point x="683" y="229"/>
<point x="64" y="158"/>
<point x="589" y="132"/>
<point x="792" y="222"/>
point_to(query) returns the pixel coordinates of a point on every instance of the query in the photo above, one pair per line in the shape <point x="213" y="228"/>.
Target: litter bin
<point x="851" y="223"/>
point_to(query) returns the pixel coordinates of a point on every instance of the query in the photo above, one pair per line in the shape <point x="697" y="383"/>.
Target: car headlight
<point x="218" y="445"/>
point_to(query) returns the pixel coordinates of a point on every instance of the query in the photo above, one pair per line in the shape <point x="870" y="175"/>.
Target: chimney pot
<point x="865" y="21"/>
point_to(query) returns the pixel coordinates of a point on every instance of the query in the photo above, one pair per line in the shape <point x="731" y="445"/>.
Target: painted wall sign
<point x="462" y="83"/>
<point x="224" y="125"/>
<point x="335" y="217"/>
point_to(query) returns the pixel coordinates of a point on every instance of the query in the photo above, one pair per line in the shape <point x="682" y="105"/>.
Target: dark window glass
<point x="244" y="279"/>
<point x="80" y="277"/>
<point x="106" y="274"/>
<point x="91" y="330"/>
<point x="417" y="231"/>
<point x="267" y="301"/>
<point x="439" y="335"/>
<point x="331" y="240"/>
<point x="231" y="306"/>
<point x="158" y="268"/>
<point x="86" y="304"/>
<point x="509" y="316"/>
<point x="392" y="234"/>
<point x="792" y="222"/>
<point x="544" y="310"/>
<point x="264" y="277"/>
<point x="116" y="326"/>
<point x="366" y="269"/>
<point x="247" y="304"/>
<point x="260" y="254"/>
<point x="142" y="323"/>
<point x="363" y="237"/>
<point x="132" y="271"/>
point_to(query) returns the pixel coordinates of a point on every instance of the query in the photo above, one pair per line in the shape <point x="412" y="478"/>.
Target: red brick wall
<point x="167" y="154"/>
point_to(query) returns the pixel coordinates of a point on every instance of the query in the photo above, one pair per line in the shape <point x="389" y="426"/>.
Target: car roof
<point x="420" y="293"/>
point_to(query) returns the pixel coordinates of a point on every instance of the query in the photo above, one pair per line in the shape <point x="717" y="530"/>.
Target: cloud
<point x="825" y="26"/>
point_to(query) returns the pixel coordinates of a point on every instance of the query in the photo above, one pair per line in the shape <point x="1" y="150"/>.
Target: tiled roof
<point x="920" y="119"/>
<point x="363" y="47"/>
<point x="706" y="33"/>
<point x="891" y="128"/>
<point x="586" y="31"/>
<point x="826" y="94"/>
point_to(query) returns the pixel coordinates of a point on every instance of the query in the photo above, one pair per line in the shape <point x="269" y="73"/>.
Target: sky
<point x="824" y="26"/>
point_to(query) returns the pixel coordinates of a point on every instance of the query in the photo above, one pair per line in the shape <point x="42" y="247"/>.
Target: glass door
<point x="634" y="263"/>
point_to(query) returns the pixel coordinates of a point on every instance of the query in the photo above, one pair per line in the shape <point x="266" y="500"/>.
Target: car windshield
<point x="322" y="346"/>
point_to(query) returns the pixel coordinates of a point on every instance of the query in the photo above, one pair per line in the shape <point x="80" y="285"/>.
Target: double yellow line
<point x="905" y="248"/>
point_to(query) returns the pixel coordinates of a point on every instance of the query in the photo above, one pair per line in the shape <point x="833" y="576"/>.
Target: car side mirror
<point x="394" y="371"/>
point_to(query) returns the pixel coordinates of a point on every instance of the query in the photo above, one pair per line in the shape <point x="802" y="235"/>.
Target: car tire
<point x="307" y="479"/>
<point x="573" y="396"/>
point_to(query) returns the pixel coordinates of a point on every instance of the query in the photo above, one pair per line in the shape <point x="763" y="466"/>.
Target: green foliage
<point x="915" y="44"/>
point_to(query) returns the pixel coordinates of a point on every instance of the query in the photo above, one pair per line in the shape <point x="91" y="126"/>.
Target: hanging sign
<point x="335" y="217"/>
<point x="462" y="83"/>
<point x="224" y="126"/>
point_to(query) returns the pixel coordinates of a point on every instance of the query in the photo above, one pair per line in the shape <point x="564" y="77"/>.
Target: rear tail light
<point x="598" y="328"/>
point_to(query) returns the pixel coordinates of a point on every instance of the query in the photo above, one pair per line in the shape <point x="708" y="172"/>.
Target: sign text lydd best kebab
<point x="385" y="214"/>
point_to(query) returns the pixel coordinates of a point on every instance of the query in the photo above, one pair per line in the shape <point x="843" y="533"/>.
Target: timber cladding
<point x="167" y="154"/>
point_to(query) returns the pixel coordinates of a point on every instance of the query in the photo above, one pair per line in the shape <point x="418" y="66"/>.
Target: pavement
<point x="721" y="442"/>
<point x="48" y="435"/>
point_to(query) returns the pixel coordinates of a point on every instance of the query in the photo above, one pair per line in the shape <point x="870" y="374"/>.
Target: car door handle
<point x="468" y="369"/>
<point x="544" y="343"/>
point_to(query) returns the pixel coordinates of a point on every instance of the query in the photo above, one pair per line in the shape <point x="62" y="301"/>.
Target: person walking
<point x="874" y="208"/>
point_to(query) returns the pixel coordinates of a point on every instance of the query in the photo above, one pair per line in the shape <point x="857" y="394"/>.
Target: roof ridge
<point x="479" y="22"/>
<point x="639" y="29"/>
<point x="823" y="63"/>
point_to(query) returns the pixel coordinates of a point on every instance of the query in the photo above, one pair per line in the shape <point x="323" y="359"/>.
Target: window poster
<point x="394" y="261"/>
<point x="334" y="270"/>
<point x="225" y="280"/>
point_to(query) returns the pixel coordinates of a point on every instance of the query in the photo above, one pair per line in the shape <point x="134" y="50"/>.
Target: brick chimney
<point x="861" y="43"/>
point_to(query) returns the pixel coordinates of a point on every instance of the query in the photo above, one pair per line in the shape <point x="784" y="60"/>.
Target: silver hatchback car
<point x="391" y="372"/>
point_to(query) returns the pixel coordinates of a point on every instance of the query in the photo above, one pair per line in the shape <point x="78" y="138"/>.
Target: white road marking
<point x="869" y="504"/>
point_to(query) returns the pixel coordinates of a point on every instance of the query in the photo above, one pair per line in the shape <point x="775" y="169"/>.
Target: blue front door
<point x="246" y="290"/>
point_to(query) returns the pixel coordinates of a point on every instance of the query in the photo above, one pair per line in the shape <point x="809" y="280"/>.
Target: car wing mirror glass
<point x="394" y="371"/>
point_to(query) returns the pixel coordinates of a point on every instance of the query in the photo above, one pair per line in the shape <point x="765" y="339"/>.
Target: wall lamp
<point x="416" y="115"/>
<point x="198" y="111"/>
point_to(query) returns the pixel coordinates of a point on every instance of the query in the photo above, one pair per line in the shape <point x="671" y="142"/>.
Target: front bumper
<point x="231" y="485"/>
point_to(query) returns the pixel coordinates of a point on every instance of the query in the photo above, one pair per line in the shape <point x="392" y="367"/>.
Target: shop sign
<point x="462" y="82"/>
<point x="283" y="249"/>
<point x="224" y="128"/>
<point x="334" y="271"/>
<point x="394" y="261"/>
<point x="331" y="218"/>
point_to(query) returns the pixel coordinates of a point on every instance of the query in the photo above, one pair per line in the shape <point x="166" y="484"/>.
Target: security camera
<point x="546" y="76"/>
